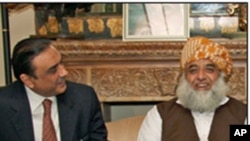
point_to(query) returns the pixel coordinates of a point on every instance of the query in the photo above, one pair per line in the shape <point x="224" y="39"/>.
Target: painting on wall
<point x="155" y="21"/>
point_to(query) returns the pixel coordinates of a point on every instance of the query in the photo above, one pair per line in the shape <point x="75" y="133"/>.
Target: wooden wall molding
<point x="117" y="48"/>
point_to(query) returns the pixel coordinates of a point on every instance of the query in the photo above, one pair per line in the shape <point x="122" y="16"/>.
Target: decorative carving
<point x="75" y="25"/>
<point x="207" y="23"/>
<point x="127" y="82"/>
<point x="43" y="30"/>
<point x="118" y="48"/>
<point x="139" y="71"/>
<point x="77" y="75"/>
<point x="226" y="27"/>
<point x="242" y="14"/>
<point x="95" y="25"/>
<point x="53" y="25"/>
<point x="237" y="84"/>
<point x="115" y="25"/>
<point x="142" y="82"/>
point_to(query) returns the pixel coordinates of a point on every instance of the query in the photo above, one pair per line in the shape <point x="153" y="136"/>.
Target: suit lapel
<point x="22" y="115"/>
<point x="22" y="119"/>
<point x="67" y="117"/>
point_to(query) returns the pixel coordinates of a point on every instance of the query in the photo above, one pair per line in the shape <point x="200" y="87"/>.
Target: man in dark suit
<point x="75" y="112"/>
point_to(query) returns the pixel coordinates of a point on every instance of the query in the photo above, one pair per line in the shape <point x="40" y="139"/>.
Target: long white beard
<point x="201" y="101"/>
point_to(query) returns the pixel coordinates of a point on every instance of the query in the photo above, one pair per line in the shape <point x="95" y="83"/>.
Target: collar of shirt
<point x="36" y="107"/>
<point x="35" y="99"/>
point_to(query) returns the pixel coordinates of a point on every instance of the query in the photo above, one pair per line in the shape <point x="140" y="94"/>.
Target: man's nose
<point x="201" y="75"/>
<point x="62" y="71"/>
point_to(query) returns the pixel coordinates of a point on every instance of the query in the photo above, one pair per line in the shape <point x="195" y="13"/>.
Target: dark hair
<point x="23" y="54"/>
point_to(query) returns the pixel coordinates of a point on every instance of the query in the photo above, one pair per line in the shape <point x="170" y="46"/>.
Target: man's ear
<point x="27" y="80"/>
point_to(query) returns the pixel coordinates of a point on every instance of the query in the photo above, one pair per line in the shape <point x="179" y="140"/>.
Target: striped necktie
<point x="49" y="133"/>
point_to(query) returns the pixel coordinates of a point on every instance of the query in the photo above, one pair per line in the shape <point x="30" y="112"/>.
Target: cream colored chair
<point x="124" y="129"/>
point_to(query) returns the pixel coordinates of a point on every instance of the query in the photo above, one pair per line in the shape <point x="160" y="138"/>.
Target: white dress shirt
<point x="36" y="108"/>
<point x="152" y="125"/>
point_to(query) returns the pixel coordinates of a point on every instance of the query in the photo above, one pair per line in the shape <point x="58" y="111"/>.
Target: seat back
<point x="124" y="129"/>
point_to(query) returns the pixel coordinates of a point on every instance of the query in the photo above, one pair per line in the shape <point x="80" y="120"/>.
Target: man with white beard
<point x="202" y="111"/>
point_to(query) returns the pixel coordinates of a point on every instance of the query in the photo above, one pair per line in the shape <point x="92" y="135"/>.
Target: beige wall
<point x="2" y="78"/>
<point x="21" y="25"/>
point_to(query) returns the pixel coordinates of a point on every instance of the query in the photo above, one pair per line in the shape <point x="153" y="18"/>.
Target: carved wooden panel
<point x="144" y="82"/>
<point x="237" y="84"/>
<point x="139" y="71"/>
<point x="134" y="81"/>
<point x="77" y="75"/>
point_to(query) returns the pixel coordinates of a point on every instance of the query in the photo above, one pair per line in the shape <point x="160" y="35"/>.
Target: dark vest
<point x="178" y="123"/>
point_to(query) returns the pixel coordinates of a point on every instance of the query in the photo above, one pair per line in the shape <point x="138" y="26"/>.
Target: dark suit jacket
<point x="80" y="115"/>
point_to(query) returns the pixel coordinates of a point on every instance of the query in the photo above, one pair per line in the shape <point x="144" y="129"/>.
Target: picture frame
<point x="155" y="21"/>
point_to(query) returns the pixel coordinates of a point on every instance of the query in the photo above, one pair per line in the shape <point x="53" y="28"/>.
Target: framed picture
<point x="155" y="21"/>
